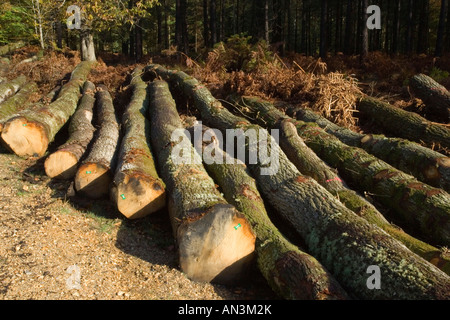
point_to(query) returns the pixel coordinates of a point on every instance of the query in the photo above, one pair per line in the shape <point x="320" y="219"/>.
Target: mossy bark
<point x="310" y="164"/>
<point x="63" y="163"/>
<point x="17" y="102"/>
<point x="428" y="166"/>
<point x="137" y="189"/>
<point x="403" y="124"/>
<point x="94" y="176"/>
<point x="211" y="247"/>
<point x="30" y="132"/>
<point x="290" y="272"/>
<point x="9" y="88"/>
<point x="435" y="96"/>
<point x="345" y="243"/>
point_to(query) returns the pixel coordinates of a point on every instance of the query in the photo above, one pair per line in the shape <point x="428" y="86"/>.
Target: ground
<point x="60" y="249"/>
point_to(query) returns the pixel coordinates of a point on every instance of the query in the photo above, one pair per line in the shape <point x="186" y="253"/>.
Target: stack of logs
<point x="220" y="210"/>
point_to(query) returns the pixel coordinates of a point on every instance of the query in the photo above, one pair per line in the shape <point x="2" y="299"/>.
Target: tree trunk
<point x="212" y="21"/>
<point x="349" y="28"/>
<point x="137" y="189"/>
<point x="435" y="96"/>
<point x="423" y="209"/>
<point x="63" y="163"/>
<point x="205" y="24"/>
<point x="215" y="241"/>
<point x="290" y="272"/>
<point x="441" y="29"/>
<point x="94" y="176"/>
<point x="342" y="241"/>
<point x="403" y="124"/>
<point x="364" y="32"/>
<point x="310" y="164"/>
<point x="266" y="22"/>
<point x="87" y="45"/>
<point x="29" y="133"/>
<point x="17" y="102"/>
<point x="323" y="29"/>
<point x="9" y="88"/>
<point x="409" y="28"/>
<point x="423" y="163"/>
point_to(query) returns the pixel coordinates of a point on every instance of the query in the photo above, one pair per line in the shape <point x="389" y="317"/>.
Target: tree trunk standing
<point x="323" y="29"/>
<point x="266" y="22"/>
<point x="215" y="241"/>
<point x="181" y="26"/>
<point x="236" y="29"/>
<point x="289" y="271"/>
<point x="63" y="163"/>
<point x="138" y="38"/>
<point x="87" y="44"/>
<point x="447" y="32"/>
<point x="166" y="25"/>
<point x="364" y="32"/>
<point x="396" y="28"/>
<point x="423" y="35"/>
<point x="212" y="22"/>
<point x="310" y="164"/>
<point x="206" y="37"/>
<point x="338" y="29"/>
<point x="94" y="176"/>
<point x="441" y="30"/>
<point x="349" y="29"/>
<point x="342" y="241"/>
<point x="59" y="34"/>
<point x="159" y="27"/>
<point x="409" y="28"/>
<point x="29" y="133"/>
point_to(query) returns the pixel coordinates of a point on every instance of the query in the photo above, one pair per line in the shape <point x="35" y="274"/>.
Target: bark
<point x="441" y="30"/>
<point x="137" y="189"/>
<point x="211" y="246"/>
<point x="290" y="272"/>
<point x="435" y="96"/>
<point x="17" y="102"/>
<point x="345" y="243"/>
<point x="422" y="208"/>
<point x="404" y="124"/>
<point x="87" y="45"/>
<point x="94" y="176"/>
<point x="63" y="163"/>
<point x="31" y="131"/>
<point x="424" y="164"/>
<point x="310" y="164"/>
<point x="9" y="88"/>
<point x="6" y="49"/>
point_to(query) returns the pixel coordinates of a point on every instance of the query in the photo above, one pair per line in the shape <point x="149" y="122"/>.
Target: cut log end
<point x="61" y="165"/>
<point x="367" y="138"/>
<point x="93" y="180"/>
<point x="25" y="138"/>
<point x="218" y="247"/>
<point x="138" y="195"/>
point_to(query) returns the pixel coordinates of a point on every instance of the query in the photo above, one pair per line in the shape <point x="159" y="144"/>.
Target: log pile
<point x="344" y="242"/>
<point x="336" y="189"/>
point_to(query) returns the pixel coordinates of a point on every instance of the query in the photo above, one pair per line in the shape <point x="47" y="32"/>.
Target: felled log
<point x="29" y="133"/>
<point x="94" y="175"/>
<point x="11" y="47"/>
<point x="422" y="208"/>
<point x="17" y="102"/>
<point x="310" y="164"/>
<point x="137" y="189"/>
<point x="426" y="165"/>
<point x="9" y="88"/>
<point x="63" y="163"/>
<point x="345" y="243"/>
<point x="215" y="241"/>
<point x="404" y="124"/>
<point x="435" y="95"/>
<point x="290" y="272"/>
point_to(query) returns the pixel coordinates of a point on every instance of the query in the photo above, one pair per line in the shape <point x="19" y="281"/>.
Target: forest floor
<point x="54" y="245"/>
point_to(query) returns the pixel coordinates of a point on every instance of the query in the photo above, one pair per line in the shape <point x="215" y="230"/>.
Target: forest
<point x="350" y="101"/>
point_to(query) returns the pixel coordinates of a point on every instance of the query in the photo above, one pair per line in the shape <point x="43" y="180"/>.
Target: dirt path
<point x="53" y="248"/>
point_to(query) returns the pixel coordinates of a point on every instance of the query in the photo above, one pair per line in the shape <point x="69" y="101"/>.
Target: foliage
<point x="438" y="75"/>
<point x="15" y="24"/>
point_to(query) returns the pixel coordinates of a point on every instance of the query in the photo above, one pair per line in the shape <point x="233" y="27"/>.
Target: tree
<point x="441" y="29"/>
